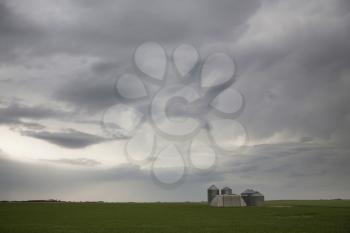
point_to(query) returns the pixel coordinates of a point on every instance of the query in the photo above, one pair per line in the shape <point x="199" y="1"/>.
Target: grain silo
<point x="252" y="197"/>
<point x="226" y="191"/>
<point x="212" y="192"/>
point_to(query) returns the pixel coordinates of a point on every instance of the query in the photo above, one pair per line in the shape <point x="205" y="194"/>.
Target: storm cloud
<point x="70" y="138"/>
<point x="59" y="63"/>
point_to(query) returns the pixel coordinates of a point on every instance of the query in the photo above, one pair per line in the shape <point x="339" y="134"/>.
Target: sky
<point x="158" y="100"/>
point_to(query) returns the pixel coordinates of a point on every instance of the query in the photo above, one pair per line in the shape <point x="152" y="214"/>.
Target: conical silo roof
<point x="213" y="187"/>
<point x="248" y="191"/>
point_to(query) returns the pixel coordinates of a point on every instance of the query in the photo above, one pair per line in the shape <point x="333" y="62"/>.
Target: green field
<point x="276" y="216"/>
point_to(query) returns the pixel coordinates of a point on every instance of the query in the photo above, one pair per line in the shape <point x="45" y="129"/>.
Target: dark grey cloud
<point x="293" y="160"/>
<point x="110" y="27"/>
<point x="296" y="81"/>
<point x="16" y="33"/>
<point x="15" y="112"/>
<point x="70" y="138"/>
<point x="131" y="23"/>
<point x="93" y="93"/>
<point x="298" y="69"/>
<point x="112" y="30"/>
<point x="289" y="170"/>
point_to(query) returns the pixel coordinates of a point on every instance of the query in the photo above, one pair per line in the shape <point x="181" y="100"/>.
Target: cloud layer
<point x="59" y="63"/>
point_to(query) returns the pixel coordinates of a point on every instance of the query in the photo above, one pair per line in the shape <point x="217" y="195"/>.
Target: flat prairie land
<point x="319" y="216"/>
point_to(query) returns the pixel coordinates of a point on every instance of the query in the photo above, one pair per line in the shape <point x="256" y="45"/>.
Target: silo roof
<point x="251" y="192"/>
<point x="248" y="191"/>
<point x="213" y="187"/>
<point x="226" y="188"/>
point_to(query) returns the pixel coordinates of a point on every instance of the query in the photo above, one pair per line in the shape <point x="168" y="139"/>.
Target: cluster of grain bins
<point x="252" y="197"/>
<point x="226" y="199"/>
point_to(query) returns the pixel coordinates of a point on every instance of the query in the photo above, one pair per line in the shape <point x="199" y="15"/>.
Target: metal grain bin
<point x="226" y="191"/>
<point x="252" y="197"/>
<point x="212" y="192"/>
<point x="257" y="199"/>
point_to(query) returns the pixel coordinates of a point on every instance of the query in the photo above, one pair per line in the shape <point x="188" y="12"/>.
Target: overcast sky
<point x="59" y="65"/>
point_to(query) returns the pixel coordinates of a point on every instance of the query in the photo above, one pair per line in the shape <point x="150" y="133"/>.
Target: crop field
<point x="275" y="216"/>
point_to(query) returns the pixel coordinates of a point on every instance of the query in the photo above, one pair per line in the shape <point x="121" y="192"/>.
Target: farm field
<point x="275" y="216"/>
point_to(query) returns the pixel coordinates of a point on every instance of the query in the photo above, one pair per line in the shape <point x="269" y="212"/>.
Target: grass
<point x="276" y="216"/>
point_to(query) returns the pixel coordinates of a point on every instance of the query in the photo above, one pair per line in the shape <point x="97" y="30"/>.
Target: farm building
<point x="227" y="200"/>
<point x="249" y="197"/>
